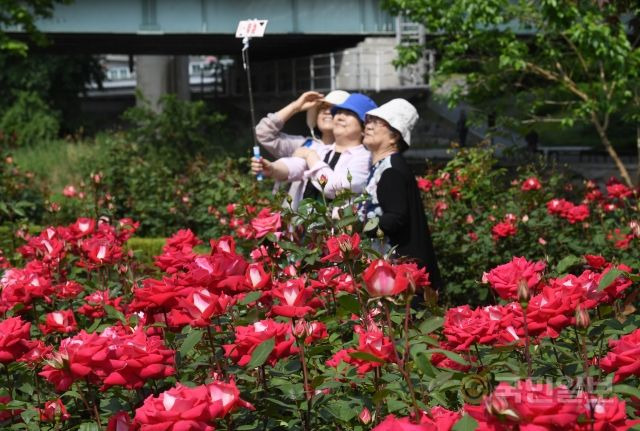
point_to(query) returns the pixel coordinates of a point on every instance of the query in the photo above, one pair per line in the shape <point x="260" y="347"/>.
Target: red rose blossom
<point x="531" y="183"/>
<point x="504" y="279"/>
<point x="623" y="358"/>
<point x="14" y="337"/>
<point x="266" y="222"/>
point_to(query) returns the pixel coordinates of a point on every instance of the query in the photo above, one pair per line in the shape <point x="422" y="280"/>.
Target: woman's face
<point x="377" y="134"/>
<point x="347" y="128"/>
<point x="324" y="120"/>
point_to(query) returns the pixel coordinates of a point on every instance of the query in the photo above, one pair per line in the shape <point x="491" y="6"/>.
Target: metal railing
<point x="357" y="69"/>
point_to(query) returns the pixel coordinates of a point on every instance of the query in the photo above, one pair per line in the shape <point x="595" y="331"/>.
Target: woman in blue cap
<point x="344" y="165"/>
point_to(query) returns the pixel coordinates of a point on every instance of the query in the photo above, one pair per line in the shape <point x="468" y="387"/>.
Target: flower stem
<point x="527" y="354"/>
<point x="399" y="362"/>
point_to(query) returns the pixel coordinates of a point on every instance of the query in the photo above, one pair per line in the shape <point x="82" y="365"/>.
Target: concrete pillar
<point x="158" y="75"/>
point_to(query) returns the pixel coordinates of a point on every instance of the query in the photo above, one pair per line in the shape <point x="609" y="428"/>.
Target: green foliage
<point x="28" y="121"/>
<point x="58" y="80"/>
<point x="21" y="199"/>
<point x="180" y="131"/>
<point x="555" y="61"/>
<point x="145" y="249"/>
<point x="23" y="14"/>
<point x="470" y="196"/>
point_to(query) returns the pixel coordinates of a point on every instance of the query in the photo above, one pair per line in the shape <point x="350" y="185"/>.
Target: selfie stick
<point x="247" y="29"/>
<point x="247" y="68"/>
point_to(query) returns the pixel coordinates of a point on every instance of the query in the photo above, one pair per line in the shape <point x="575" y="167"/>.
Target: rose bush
<point x="291" y="320"/>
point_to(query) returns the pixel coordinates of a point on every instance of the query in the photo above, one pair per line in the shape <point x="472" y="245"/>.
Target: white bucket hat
<point x="335" y="97"/>
<point x="400" y="114"/>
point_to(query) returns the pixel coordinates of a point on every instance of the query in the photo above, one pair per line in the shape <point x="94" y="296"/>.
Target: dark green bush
<point x="28" y="121"/>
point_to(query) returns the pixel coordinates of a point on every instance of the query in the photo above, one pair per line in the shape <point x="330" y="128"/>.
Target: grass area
<point x="57" y="163"/>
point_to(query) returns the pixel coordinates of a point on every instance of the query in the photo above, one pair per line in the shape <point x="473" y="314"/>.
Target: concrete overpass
<point x="296" y="27"/>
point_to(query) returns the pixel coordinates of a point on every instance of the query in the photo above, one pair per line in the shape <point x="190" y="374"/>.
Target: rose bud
<point x="582" y="318"/>
<point x="365" y="416"/>
<point x="523" y="293"/>
<point x="323" y="181"/>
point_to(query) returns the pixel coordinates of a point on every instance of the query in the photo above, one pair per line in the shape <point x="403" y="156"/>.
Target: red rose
<point x="503" y="230"/>
<point x="75" y="360"/>
<point x="178" y="409"/>
<point x="623" y="358"/>
<point x="256" y="278"/>
<point x="7" y="414"/>
<point x="531" y="184"/>
<point x="491" y="325"/>
<point x="14" y="337"/>
<point x="342" y="247"/>
<point x="604" y="415"/>
<point x="132" y="358"/>
<point x="424" y="184"/>
<point x="67" y="290"/>
<point x="383" y="279"/>
<point x="372" y="342"/>
<point x="294" y="298"/>
<point x="619" y="191"/>
<point x="224" y="398"/>
<point x="54" y="411"/>
<point x="559" y="207"/>
<point x="577" y="213"/>
<point x="249" y="337"/>
<point x="61" y="321"/>
<point x="198" y="308"/>
<point x="595" y="261"/>
<point x="82" y="227"/>
<point x="120" y="421"/>
<point x="527" y="406"/>
<point x="334" y="278"/>
<point x="504" y="279"/>
<point x="438" y="419"/>
<point x="266" y="222"/>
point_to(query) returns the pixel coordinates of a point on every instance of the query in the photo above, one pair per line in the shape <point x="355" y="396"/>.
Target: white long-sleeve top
<point x="355" y="161"/>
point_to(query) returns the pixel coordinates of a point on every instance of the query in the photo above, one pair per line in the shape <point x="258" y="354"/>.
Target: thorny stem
<point x="307" y="385"/>
<point x="527" y="354"/>
<point x="401" y="364"/>
<point x="96" y="415"/>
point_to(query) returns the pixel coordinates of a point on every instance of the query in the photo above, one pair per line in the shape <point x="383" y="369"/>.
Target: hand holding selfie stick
<point x="246" y="30"/>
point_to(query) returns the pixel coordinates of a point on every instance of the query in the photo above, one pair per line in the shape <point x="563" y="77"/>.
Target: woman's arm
<point x="269" y="129"/>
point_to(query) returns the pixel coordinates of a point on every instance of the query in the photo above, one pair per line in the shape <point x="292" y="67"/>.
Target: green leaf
<point x="349" y="303"/>
<point x="567" y="262"/>
<point x="115" y="314"/>
<point x="371" y="224"/>
<point x="466" y="423"/>
<point x="453" y="356"/>
<point x="609" y="278"/>
<point x="627" y="390"/>
<point x="346" y="221"/>
<point x="190" y="342"/>
<point x="89" y="426"/>
<point x="431" y="324"/>
<point x="364" y="356"/>
<point x="261" y="353"/>
<point x="251" y="297"/>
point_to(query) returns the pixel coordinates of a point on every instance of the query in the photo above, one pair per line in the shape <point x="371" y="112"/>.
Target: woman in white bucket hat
<point x="393" y="195"/>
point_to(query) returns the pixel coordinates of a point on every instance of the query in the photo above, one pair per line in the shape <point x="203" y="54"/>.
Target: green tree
<point x="561" y="61"/>
<point x="21" y="15"/>
<point x="58" y="80"/>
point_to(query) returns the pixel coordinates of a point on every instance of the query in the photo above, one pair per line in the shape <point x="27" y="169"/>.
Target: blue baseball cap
<point x="357" y="103"/>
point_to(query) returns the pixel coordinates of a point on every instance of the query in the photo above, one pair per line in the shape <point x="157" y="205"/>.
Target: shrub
<point x="28" y="121"/>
